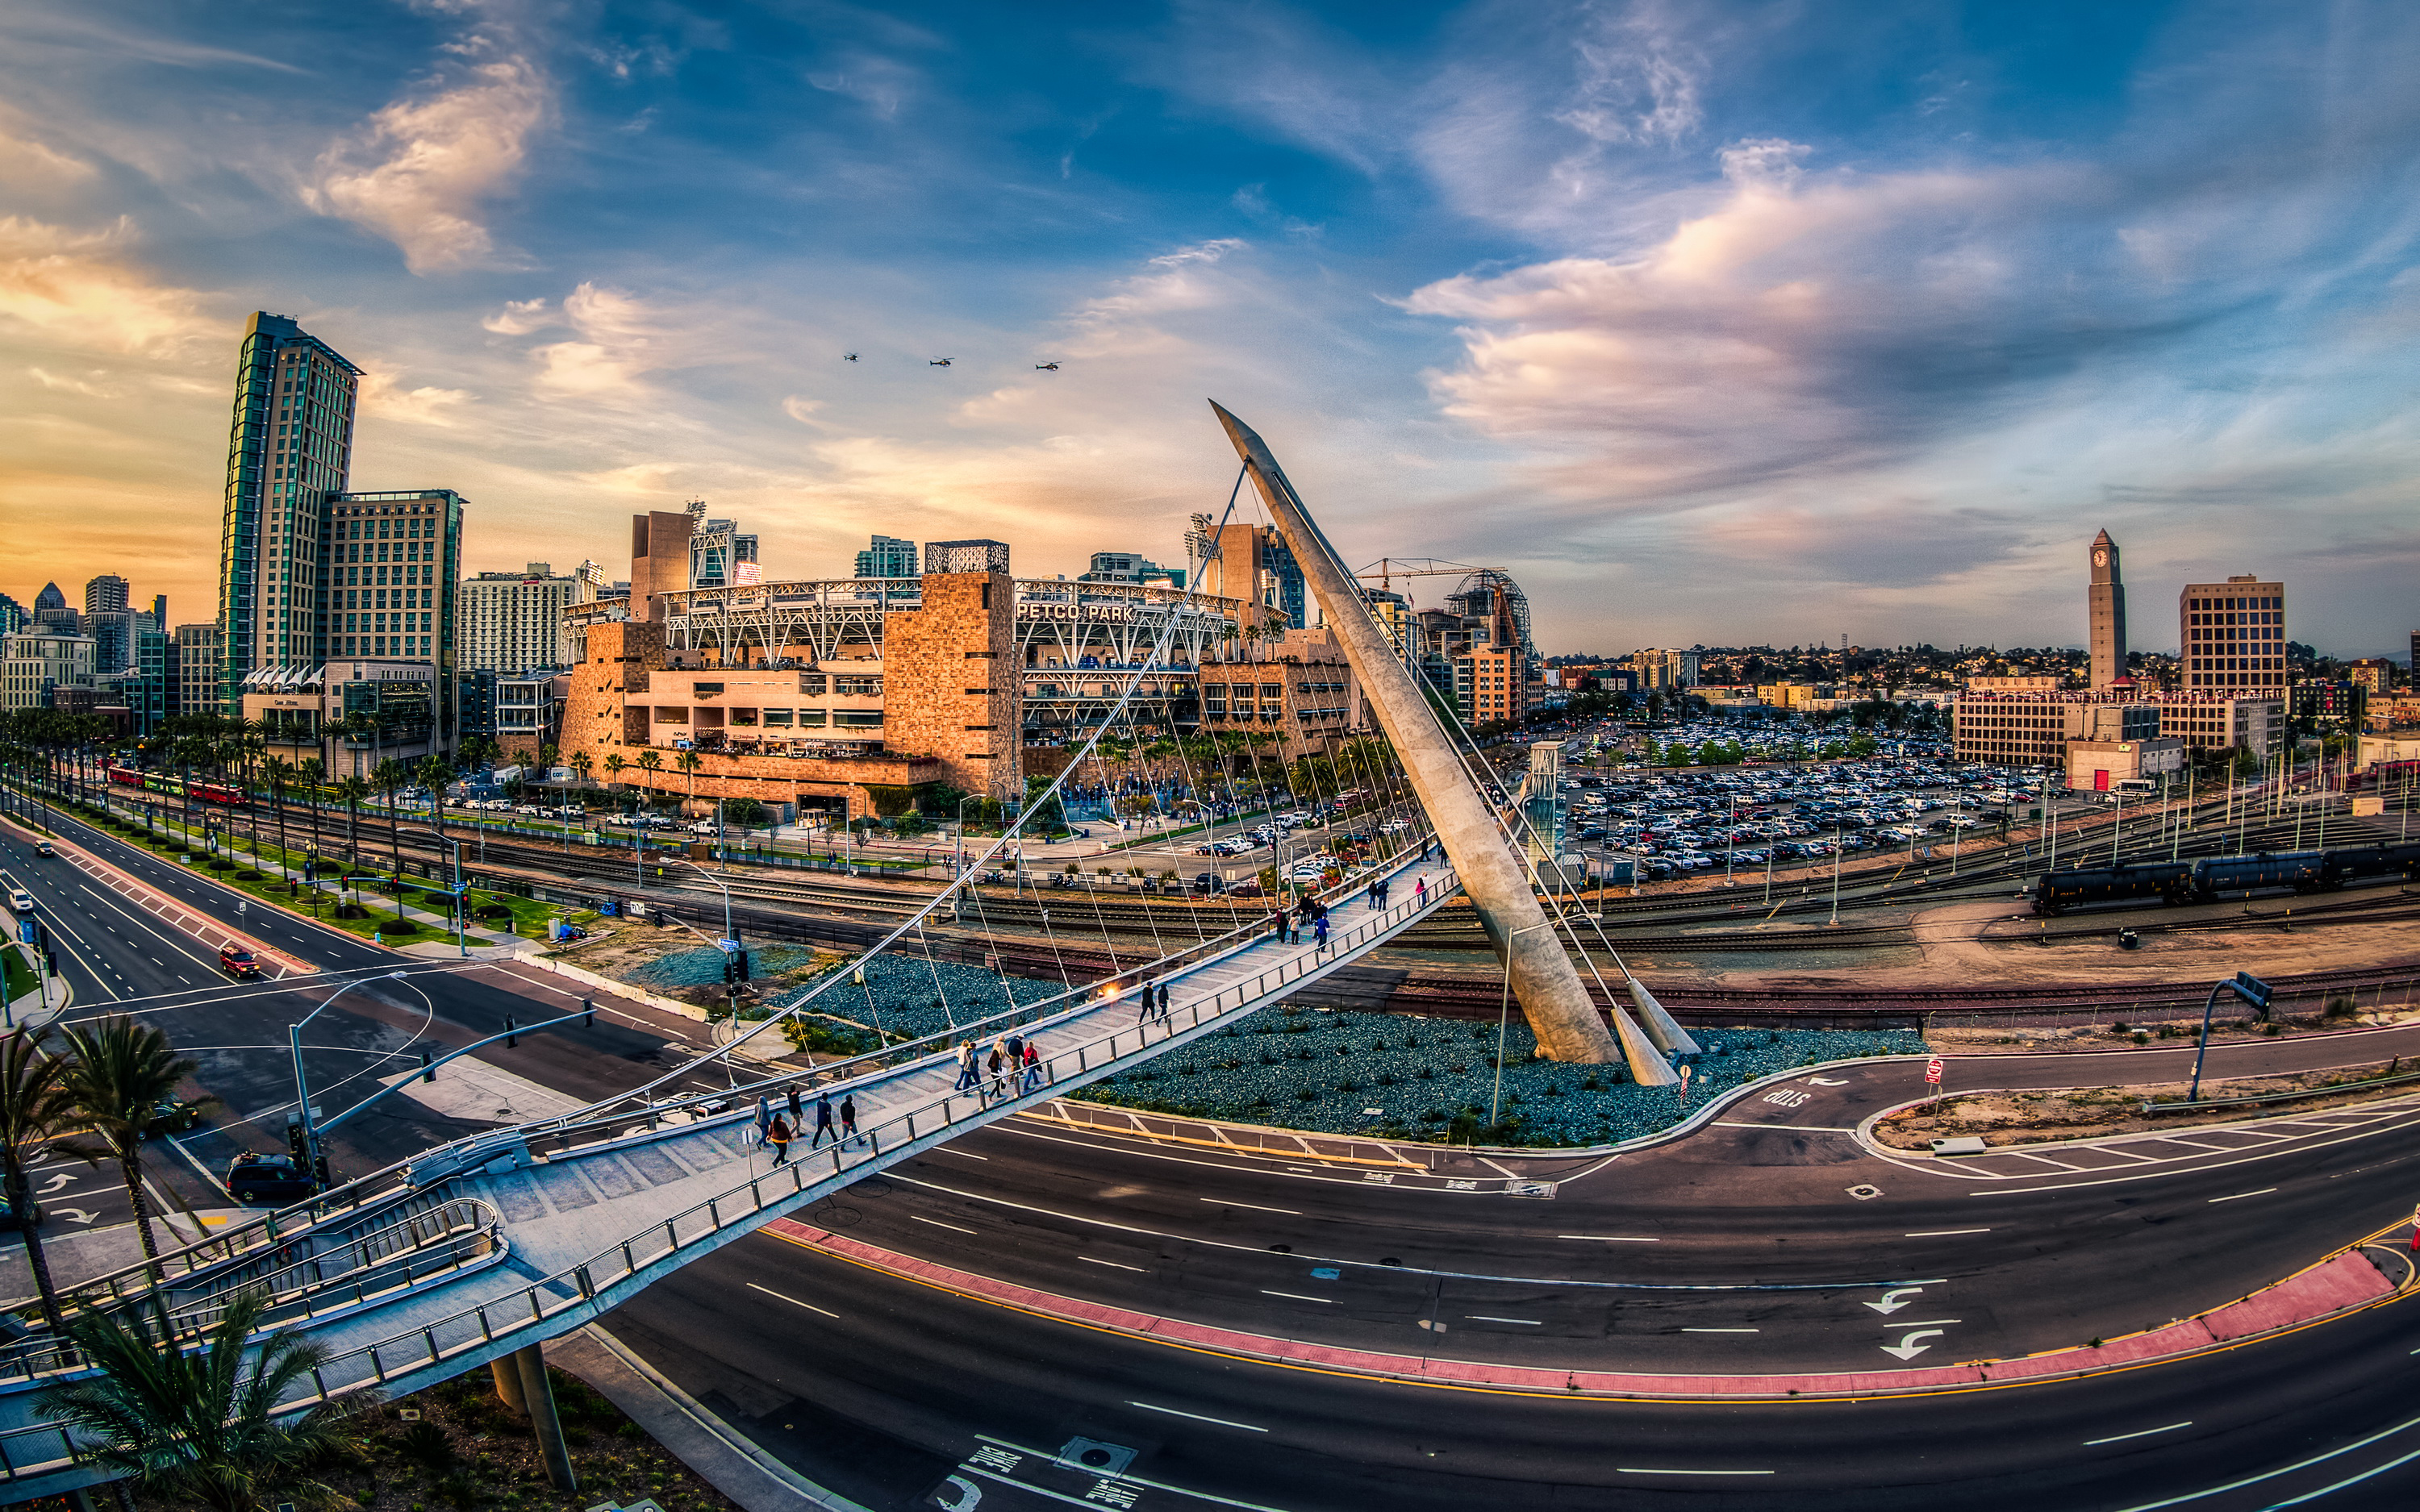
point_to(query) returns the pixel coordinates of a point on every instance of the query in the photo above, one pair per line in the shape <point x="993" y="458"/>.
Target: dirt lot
<point x="2091" y="1112"/>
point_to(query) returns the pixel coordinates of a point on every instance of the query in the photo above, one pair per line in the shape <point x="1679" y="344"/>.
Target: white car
<point x="21" y="900"/>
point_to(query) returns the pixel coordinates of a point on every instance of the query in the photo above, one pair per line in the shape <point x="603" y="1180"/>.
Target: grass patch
<point x="21" y="976"/>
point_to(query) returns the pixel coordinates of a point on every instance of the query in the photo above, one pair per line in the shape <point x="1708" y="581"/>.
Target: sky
<point x="1711" y="323"/>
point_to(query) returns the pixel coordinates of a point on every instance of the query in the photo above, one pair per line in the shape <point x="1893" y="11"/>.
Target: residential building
<point x="1492" y="598"/>
<point x="106" y="591"/>
<point x="2396" y="711"/>
<point x="111" y="631"/>
<point x="198" y="671"/>
<point x="1489" y="687"/>
<point x="528" y="714"/>
<point x="1297" y="686"/>
<point x="1665" y="670"/>
<point x="888" y="557"/>
<point x="2032" y="729"/>
<point x="2105" y="608"/>
<point x="2232" y="635"/>
<point x="393" y="565"/>
<point x="512" y="621"/>
<point x="2374" y="675"/>
<point x="289" y="449"/>
<point x="37" y="665"/>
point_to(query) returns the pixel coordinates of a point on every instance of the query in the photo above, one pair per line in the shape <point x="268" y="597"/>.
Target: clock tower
<point x="2106" y="603"/>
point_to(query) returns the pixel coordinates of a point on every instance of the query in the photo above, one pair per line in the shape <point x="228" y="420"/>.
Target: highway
<point x="1767" y="1242"/>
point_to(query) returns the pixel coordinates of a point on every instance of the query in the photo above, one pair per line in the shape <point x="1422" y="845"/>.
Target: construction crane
<point x="1391" y="568"/>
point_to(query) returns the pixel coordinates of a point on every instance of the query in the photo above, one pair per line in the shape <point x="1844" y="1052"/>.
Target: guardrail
<point x="2149" y="1107"/>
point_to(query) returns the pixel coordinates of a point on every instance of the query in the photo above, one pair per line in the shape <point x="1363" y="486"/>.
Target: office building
<point x="13" y="615"/>
<point x="53" y="614"/>
<point x="37" y="666"/>
<point x="111" y="631"/>
<point x="2374" y="675"/>
<point x="512" y="621"/>
<point x="2033" y="728"/>
<point x="2216" y="721"/>
<point x="350" y="714"/>
<point x="289" y="449"/>
<point x="888" y="557"/>
<point x="393" y="567"/>
<point x="1297" y="686"/>
<point x="106" y="591"/>
<point x="145" y="684"/>
<point x="2232" y="635"/>
<point x="198" y="671"/>
<point x="2105" y="604"/>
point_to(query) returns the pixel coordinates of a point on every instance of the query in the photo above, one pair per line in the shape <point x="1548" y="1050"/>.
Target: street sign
<point x="1932" y="1071"/>
<point x="2252" y="989"/>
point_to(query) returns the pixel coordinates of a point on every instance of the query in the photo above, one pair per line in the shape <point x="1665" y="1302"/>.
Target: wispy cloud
<point x="81" y="290"/>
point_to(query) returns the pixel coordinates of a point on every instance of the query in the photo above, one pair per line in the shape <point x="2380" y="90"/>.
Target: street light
<point x="302" y="1088"/>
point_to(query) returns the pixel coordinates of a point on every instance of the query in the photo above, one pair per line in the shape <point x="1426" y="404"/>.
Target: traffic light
<point x="739" y="960"/>
<point x="295" y="1144"/>
<point x="731" y="971"/>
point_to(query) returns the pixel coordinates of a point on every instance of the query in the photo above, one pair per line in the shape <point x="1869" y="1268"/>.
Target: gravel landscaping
<point x="1431" y="1078"/>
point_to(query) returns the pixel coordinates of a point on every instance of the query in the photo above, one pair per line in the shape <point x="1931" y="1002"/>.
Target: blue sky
<point x="1709" y="322"/>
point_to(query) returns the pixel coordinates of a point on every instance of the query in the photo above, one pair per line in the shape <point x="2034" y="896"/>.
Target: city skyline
<point x="1650" y="310"/>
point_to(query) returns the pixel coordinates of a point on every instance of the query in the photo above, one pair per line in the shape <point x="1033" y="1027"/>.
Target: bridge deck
<point x="598" y="1208"/>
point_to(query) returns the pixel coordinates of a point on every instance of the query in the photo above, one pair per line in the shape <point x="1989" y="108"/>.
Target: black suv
<point x="268" y="1181"/>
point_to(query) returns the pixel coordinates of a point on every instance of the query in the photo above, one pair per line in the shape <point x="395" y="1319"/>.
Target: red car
<point x="237" y="963"/>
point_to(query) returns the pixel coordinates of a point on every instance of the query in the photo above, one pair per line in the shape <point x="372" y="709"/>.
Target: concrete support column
<point x="1553" y="999"/>
<point x="508" y="1372"/>
<point x="537" y="1395"/>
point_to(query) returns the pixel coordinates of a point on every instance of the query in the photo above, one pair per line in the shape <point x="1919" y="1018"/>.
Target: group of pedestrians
<point x="1009" y="1065"/>
<point x="1287" y="925"/>
<point x="776" y="1129"/>
<point x="1378" y="892"/>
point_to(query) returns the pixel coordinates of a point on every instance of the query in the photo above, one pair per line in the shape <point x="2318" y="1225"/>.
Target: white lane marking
<point x="1803" y="1128"/>
<point x="1612" y="1239"/>
<point x="1130" y="1476"/>
<point x="2263" y="1191"/>
<point x="1943" y="1233"/>
<point x="2303" y="1464"/>
<point x="1113" y="1265"/>
<point x="792" y="1301"/>
<point x="938" y="1224"/>
<point x="1297" y="1296"/>
<point x="1718" y="1330"/>
<point x="945" y="1150"/>
<point x="1482" y="1318"/>
<point x="2140" y="1433"/>
<point x="1254" y="1206"/>
<point x="1198" y="1417"/>
<point x="1634" y="1470"/>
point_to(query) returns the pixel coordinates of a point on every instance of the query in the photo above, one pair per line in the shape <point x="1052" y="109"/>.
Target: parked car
<point x="258" y="1180"/>
<point x="172" y="1115"/>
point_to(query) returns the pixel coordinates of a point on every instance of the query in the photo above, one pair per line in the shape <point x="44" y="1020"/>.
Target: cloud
<point x="382" y="397"/>
<point x="71" y="385"/>
<point x="24" y="162"/>
<point x="802" y="410"/>
<point x="79" y="289"/>
<point x="421" y="172"/>
<point x="618" y="344"/>
<point x="519" y="317"/>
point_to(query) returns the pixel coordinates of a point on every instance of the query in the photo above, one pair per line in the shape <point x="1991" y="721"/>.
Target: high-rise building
<point x="2106" y="603"/>
<point x="15" y="616"/>
<point x="394" y="560"/>
<point x="37" y="665"/>
<point x="289" y="450"/>
<point x="106" y="591"/>
<point x="888" y="557"/>
<point x="52" y="612"/>
<point x="512" y="621"/>
<point x="113" y="638"/>
<point x="658" y="560"/>
<point x="198" y="671"/>
<point x="2232" y="635"/>
<point x="1489" y="686"/>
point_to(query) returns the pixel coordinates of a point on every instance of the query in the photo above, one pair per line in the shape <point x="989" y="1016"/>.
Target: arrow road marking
<point x="1907" y="1349"/>
<point x="63" y="1179"/>
<point x="74" y="1215"/>
<point x="1827" y="1081"/>
<point x="1895" y="1299"/>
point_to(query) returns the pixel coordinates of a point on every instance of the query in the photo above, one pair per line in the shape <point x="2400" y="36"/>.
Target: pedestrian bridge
<point x="479" y="1248"/>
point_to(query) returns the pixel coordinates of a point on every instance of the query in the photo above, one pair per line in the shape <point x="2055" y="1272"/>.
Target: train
<point x="219" y="793"/>
<point x="2206" y="881"/>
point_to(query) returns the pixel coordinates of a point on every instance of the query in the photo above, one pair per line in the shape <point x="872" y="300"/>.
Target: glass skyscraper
<point x="288" y="450"/>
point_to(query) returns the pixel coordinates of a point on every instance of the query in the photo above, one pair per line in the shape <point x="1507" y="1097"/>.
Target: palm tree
<point x="688" y="762"/>
<point x="34" y="1105"/>
<point x="122" y="1071"/>
<point x="279" y="771"/>
<point x="435" y="772"/>
<point x="392" y="777"/>
<point x="197" y="1427"/>
<point x="350" y="791"/>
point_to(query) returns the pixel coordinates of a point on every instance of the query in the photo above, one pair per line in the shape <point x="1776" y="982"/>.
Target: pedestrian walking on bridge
<point x="778" y="1136"/>
<point x="848" y="1115"/>
<point x="823" y="1122"/>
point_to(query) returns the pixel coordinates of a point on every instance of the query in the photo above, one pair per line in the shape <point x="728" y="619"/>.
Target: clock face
<point x="2101" y="559"/>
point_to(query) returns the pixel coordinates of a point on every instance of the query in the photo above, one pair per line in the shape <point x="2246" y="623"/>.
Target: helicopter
<point x="848" y="357"/>
<point x="939" y="361"/>
<point x="1046" y="367"/>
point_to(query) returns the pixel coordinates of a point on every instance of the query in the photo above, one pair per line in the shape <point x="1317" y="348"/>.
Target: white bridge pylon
<point x="481" y="1247"/>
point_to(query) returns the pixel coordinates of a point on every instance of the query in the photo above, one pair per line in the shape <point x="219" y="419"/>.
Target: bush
<point x="248" y="875"/>
<point x="219" y="863"/>
<point x="492" y="911"/>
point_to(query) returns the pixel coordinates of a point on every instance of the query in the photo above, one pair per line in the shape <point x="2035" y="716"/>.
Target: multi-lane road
<point x="1769" y="1242"/>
